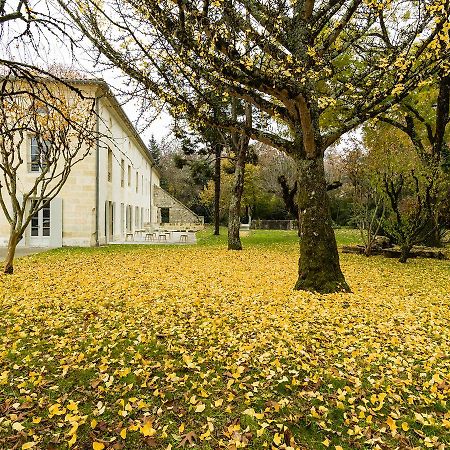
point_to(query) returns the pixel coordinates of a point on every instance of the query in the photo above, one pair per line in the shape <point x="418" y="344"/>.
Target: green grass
<point x="344" y="236"/>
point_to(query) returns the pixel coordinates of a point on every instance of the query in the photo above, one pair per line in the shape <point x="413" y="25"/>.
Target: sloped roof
<point x="103" y="91"/>
<point x="106" y="92"/>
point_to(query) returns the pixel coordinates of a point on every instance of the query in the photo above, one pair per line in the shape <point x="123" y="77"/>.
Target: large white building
<point x="107" y="195"/>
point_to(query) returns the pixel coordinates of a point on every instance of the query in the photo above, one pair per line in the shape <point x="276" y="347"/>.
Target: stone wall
<point x="178" y="213"/>
<point x="274" y="224"/>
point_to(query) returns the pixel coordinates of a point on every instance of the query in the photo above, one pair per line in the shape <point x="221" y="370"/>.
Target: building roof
<point x="105" y="92"/>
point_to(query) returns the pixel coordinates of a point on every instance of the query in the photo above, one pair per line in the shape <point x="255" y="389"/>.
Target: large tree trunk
<point x="234" y="213"/>
<point x="218" y="154"/>
<point x="319" y="268"/>
<point x="12" y="244"/>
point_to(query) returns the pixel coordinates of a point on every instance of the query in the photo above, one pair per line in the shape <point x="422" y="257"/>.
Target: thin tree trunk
<point x="218" y="154"/>
<point x="9" y="260"/>
<point x="319" y="268"/>
<point x="234" y="214"/>
<point x="433" y="236"/>
<point x="405" y="249"/>
<point x="241" y="147"/>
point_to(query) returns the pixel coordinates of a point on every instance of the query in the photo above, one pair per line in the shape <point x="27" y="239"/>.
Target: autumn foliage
<point x="133" y="348"/>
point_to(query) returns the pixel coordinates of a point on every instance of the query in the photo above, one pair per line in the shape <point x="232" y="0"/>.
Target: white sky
<point x="160" y="126"/>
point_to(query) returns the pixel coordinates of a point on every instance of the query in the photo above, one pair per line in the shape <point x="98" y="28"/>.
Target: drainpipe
<point x="97" y="171"/>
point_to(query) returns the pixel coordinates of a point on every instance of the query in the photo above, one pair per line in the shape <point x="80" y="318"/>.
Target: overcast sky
<point x="160" y="126"/>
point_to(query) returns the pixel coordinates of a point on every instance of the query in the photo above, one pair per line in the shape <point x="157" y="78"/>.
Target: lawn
<point x="345" y="236"/>
<point x="167" y="347"/>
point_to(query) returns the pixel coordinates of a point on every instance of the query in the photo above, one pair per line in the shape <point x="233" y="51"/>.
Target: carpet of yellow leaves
<point x="133" y="348"/>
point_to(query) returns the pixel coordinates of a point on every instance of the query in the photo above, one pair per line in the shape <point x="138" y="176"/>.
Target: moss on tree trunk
<point x="319" y="269"/>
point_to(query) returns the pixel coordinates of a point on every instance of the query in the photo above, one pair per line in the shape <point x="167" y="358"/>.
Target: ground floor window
<point x="122" y="218"/>
<point x="111" y="219"/>
<point x="129" y="212"/>
<point x="40" y="222"/>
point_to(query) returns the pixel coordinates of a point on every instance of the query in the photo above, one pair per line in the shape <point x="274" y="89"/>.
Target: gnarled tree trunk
<point x="240" y="144"/>
<point x="14" y="239"/>
<point x="319" y="268"/>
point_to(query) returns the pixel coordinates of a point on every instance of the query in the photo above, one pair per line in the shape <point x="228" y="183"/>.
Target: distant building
<point x="107" y="195"/>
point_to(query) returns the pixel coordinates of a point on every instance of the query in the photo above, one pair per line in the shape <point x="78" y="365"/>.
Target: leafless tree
<point x="58" y="127"/>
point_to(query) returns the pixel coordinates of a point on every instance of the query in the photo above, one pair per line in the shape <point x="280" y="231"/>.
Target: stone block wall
<point x="178" y="213"/>
<point x="274" y="224"/>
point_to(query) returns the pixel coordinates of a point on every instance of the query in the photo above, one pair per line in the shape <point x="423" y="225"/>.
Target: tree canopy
<point x="313" y="66"/>
<point x="311" y="70"/>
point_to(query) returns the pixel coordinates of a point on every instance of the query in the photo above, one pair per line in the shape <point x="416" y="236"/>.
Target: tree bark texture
<point x="9" y="259"/>
<point x="319" y="268"/>
<point x="217" y="165"/>
<point x="234" y="214"/>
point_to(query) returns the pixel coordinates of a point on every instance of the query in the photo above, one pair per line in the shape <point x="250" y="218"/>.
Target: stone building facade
<point x="108" y="194"/>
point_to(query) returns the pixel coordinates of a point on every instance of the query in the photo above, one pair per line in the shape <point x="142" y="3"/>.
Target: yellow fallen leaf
<point x="72" y="406"/>
<point x="16" y="426"/>
<point x="200" y="407"/>
<point x="405" y="426"/>
<point x="123" y="433"/>
<point x="391" y="424"/>
<point x="98" y="445"/>
<point x="147" y="429"/>
<point x="72" y="440"/>
<point x="277" y="439"/>
<point x="28" y="445"/>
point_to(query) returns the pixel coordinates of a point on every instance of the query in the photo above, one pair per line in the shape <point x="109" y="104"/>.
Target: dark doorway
<point x="165" y="215"/>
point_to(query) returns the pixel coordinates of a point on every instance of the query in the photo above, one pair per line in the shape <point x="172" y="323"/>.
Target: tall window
<point x="122" y="173"/>
<point x="128" y="218"/>
<point x="137" y="181"/>
<point x="39" y="154"/>
<point x="142" y="184"/>
<point x="129" y="176"/>
<point x="165" y="215"/>
<point x="122" y="217"/>
<point x="110" y="163"/>
<point x="40" y="222"/>
<point x="136" y="216"/>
